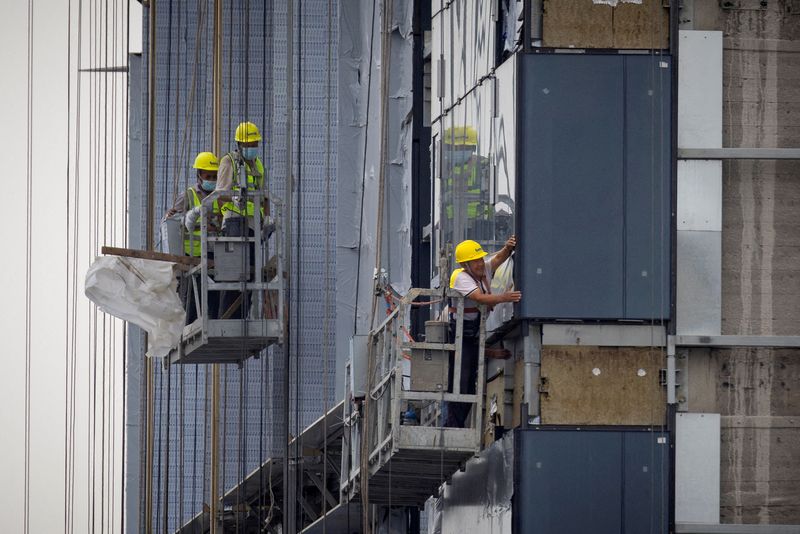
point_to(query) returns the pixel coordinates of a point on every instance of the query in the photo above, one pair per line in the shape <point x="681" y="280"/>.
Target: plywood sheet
<point x="644" y="25"/>
<point x="602" y="386"/>
<point x="584" y="24"/>
<point x="578" y="24"/>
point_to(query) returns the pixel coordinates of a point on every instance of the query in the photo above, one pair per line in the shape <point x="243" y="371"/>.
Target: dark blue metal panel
<point x="571" y="215"/>
<point x="591" y="480"/>
<point x="646" y="493"/>
<point x="569" y="481"/>
<point x="593" y="187"/>
<point x="647" y="186"/>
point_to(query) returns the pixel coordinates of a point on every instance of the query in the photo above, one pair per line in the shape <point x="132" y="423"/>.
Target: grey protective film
<point x="570" y="215"/>
<point x="594" y="186"/>
<point x="647" y="186"/>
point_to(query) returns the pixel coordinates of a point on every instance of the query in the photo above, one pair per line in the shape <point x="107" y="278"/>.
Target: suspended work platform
<point x="397" y="434"/>
<point x="234" y="297"/>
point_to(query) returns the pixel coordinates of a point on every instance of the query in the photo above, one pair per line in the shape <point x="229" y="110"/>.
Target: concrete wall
<point x="757" y="391"/>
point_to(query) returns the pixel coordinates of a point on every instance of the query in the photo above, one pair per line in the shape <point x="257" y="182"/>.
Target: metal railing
<point x="261" y="282"/>
<point x="379" y="434"/>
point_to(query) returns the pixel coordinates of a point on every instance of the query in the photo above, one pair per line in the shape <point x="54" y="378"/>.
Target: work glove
<point x="191" y="218"/>
<point x="267" y="227"/>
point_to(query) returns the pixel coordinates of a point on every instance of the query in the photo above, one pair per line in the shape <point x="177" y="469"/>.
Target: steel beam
<point x="738" y="341"/>
<point x="699" y="528"/>
<point x="739" y="153"/>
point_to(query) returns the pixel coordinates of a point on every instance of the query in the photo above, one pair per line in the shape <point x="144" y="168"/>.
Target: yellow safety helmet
<point x="206" y="161"/>
<point x="469" y="250"/>
<point x="461" y="135"/>
<point x="247" y="132"/>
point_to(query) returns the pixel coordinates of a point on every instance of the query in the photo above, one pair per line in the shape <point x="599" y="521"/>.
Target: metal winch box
<point x="430" y="367"/>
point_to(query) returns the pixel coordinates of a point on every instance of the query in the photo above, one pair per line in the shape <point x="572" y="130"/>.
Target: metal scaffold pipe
<point x="288" y="486"/>
<point x="215" y="371"/>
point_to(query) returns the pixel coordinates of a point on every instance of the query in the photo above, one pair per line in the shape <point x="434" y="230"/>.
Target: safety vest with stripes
<point x="192" y="246"/>
<point x="255" y="181"/>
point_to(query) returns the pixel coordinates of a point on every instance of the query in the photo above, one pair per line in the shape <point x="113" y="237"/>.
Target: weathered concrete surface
<point x="759" y="390"/>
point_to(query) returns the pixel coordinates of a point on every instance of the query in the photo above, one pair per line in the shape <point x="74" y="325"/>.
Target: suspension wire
<point x="73" y="316"/>
<point x="67" y="203"/>
<point x="263" y="374"/>
<point x="298" y="474"/>
<point x="328" y="253"/>
<point x="123" y="471"/>
<point x="28" y="273"/>
<point x="104" y="34"/>
<point x="168" y="428"/>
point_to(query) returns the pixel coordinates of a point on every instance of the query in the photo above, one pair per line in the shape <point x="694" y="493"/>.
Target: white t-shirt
<point x="465" y="284"/>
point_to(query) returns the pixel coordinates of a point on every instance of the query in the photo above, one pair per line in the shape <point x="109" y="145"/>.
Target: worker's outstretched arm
<point x="491" y="299"/>
<point x="498" y="259"/>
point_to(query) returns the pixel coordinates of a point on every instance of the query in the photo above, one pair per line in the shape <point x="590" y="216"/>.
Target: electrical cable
<point x="364" y="169"/>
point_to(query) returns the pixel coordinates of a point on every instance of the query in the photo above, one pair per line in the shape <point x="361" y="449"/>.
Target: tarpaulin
<point x="142" y="292"/>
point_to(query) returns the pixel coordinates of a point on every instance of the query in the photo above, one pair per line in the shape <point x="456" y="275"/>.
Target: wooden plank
<point x="641" y="26"/>
<point x="602" y="386"/>
<point x="577" y="24"/>
<point x="150" y="255"/>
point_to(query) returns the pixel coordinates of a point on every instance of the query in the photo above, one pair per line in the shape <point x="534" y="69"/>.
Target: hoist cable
<point x="328" y="284"/>
<point x="28" y="273"/>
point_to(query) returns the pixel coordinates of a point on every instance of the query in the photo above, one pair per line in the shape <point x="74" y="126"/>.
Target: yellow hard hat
<point x="206" y="161"/>
<point x="469" y="250"/>
<point x="461" y="135"/>
<point x="247" y="132"/>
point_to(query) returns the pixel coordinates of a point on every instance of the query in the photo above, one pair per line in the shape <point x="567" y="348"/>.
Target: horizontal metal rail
<point x="702" y="528"/>
<point x="739" y="153"/>
<point x="738" y="341"/>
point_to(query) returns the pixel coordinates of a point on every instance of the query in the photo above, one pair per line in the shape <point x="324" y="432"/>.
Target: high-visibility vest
<point x="470" y="306"/>
<point x="471" y="172"/>
<point x="255" y="181"/>
<point x="192" y="246"/>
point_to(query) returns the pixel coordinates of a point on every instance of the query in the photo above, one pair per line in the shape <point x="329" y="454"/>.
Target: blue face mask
<point x="209" y="185"/>
<point x="249" y="152"/>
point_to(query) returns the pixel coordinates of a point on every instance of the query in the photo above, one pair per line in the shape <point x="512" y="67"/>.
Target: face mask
<point x="209" y="185"/>
<point x="249" y="152"/>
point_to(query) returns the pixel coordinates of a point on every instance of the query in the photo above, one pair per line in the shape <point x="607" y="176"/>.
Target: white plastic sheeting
<point x="142" y="292"/>
<point x="502" y="282"/>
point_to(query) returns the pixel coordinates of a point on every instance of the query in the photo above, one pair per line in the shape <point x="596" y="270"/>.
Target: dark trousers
<point x="187" y="296"/>
<point x="455" y="414"/>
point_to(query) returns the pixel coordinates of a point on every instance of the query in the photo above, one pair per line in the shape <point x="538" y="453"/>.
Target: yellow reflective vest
<point x="192" y="246"/>
<point x="255" y="182"/>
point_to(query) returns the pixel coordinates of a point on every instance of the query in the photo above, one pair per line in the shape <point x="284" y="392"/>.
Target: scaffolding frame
<point x="406" y="463"/>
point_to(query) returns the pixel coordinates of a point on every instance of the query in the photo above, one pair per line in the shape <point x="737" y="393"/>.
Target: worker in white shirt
<point x="473" y="279"/>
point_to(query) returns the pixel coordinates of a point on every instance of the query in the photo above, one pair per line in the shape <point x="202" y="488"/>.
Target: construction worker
<point x="189" y="203"/>
<point x="245" y="156"/>
<point x="235" y="219"/>
<point x="465" y="196"/>
<point x="473" y="279"/>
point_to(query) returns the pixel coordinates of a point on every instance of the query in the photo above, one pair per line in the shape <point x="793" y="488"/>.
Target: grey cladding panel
<point x="600" y="481"/>
<point x="555" y="482"/>
<point x="647" y="186"/>
<point x="594" y="187"/>
<point x="570" y="225"/>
